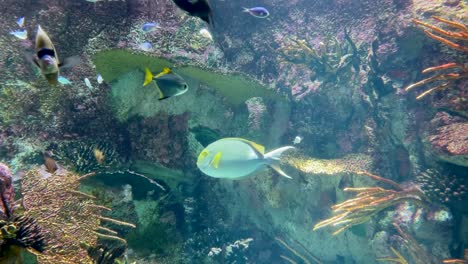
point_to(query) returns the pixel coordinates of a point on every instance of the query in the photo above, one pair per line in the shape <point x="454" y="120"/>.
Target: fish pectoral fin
<point x="164" y="98"/>
<point x="148" y="77"/>
<point x="70" y="62"/>
<point x="216" y="159"/>
<point x="35" y="61"/>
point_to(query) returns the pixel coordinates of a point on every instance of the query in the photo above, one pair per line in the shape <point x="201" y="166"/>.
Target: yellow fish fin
<point x="164" y="72"/>
<point x="216" y="160"/>
<point x="257" y="147"/>
<point x="202" y="155"/>
<point x="161" y="94"/>
<point x="148" y="77"/>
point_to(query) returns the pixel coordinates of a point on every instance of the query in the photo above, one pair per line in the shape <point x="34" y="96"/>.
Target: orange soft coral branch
<point x="461" y="35"/>
<point x="460" y="26"/>
<point x="446" y="41"/>
<point x="443" y="67"/>
<point x="461" y="70"/>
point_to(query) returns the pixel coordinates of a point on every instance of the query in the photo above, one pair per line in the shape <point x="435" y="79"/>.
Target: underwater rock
<point x="235" y="87"/>
<point x="7" y="192"/>
<point x="448" y="139"/>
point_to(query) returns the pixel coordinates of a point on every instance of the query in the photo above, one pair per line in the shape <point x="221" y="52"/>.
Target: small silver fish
<point x="145" y="46"/>
<point x="259" y="11"/>
<point x="149" y="26"/>
<point x="20" y="22"/>
<point x="88" y="83"/>
<point x="297" y="140"/>
<point x="99" y="79"/>
<point x="63" y="80"/>
<point x="21" y="34"/>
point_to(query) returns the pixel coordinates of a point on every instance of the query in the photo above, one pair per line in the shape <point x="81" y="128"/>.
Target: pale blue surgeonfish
<point x="234" y="158"/>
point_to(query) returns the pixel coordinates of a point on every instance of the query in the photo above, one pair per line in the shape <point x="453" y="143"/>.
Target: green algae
<point x="236" y="88"/>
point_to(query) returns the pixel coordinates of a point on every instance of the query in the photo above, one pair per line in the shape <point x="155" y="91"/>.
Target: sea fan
<point x="87" y="156"/>
<point x="441" y="187"/>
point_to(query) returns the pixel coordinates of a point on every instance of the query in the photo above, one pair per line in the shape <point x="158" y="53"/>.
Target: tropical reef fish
<point x="20" y="22"/>
<point x="168" y="83"/>
<point x="63" y="80"/>
<point x="206" y="34"/>
<point x="145" y="46"/>
<point x="259" y="12"/>
<point x="99" y="79"/>
<point x="297" y="140"/>
<point x="149" y="26"/>
<point x="46" y="57"/>
<point x="198" y="8"/>
<point x="21" y="34"/>
<point x="233" y="158"/>
<point x="88" y="83"/>
<point x="49" y="162"/>
<point x="99" y="156"/>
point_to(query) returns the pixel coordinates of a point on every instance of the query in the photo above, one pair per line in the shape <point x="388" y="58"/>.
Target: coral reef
<point x="460" y="69"/>
<point x="446" y="138"/>
<point x="331" y="72"/>
<point x="368" y="202"/>
<point x="446" y="189"/>
<point x="68" y="217"/>
<point x="81" y="156"/>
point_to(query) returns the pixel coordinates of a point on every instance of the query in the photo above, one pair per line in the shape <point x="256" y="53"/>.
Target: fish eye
<point x="185" y="86"/>
<point x="203" y="155"/>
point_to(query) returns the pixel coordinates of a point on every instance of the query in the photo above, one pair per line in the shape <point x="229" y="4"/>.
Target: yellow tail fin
<point x="148" y="77"/>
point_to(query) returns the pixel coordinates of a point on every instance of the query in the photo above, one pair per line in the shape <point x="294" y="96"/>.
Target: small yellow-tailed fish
<point x="233" y="158"/>
<point x="169" y="84"/>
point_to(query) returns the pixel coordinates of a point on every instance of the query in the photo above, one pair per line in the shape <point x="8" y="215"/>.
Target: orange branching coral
<point x="460" y="70"/>
<point x="69" y="218"/>
<point x="447" y="78"/>
<point x="462" y="34"/>
<point x="368" y="202"/>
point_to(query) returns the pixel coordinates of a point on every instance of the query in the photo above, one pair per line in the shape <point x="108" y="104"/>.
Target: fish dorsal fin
<point x="164" y="72"/>
<point x="259" y="149"/>
<point x="148" y="77"/>
<point x="216" y="159"/>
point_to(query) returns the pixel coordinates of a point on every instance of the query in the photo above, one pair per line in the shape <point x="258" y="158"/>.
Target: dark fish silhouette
<point x="46" y="58"/>
<point x="198" y="8"/>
